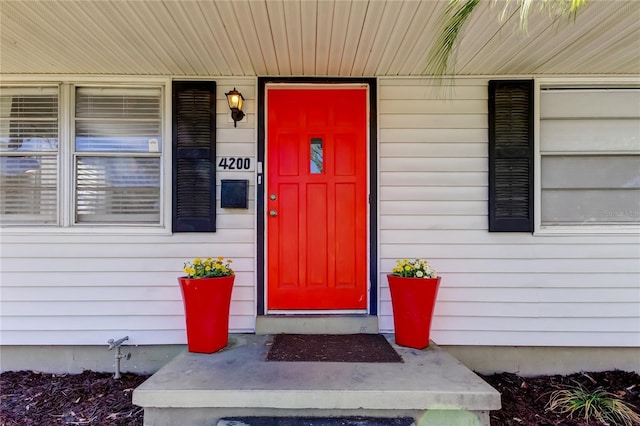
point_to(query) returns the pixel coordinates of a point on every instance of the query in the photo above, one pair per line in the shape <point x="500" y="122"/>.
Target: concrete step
<point x="317" y="324"/>
<point x="430" y="386"/>
<point x="315" y="421"/>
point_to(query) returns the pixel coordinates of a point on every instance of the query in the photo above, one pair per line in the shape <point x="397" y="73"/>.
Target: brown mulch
<point x="30" y="398"/>
<point x="40" y="399"/>
<point x="524" y="399"/>
<point x="332" y="348"/>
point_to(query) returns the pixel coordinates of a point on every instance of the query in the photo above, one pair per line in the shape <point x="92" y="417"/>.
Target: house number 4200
<point x="235" y="163"/>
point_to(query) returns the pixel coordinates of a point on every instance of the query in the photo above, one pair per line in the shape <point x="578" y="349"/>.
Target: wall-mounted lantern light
<point x="235" y="100"/>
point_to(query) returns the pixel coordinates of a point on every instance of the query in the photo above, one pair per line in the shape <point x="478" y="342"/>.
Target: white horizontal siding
<point x="507" y="312"/>
<point x="417" y="232"/>
<point x="429" y="178"/>
<point x="434" y="135"/>
<point x="105" y="308"/>
<point x="497" y="288"/>
<point x="137" y="265"/>
<point x="138" y="293"/>
<point x="534" y="254"/>
<point x="66" y="289"/>
<point x="93" y="336"/>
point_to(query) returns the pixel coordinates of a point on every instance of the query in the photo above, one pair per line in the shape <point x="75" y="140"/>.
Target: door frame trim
<point x="372" y="84"/>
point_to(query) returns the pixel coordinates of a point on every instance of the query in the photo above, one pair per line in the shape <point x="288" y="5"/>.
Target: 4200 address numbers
<point x="235" y="163"/>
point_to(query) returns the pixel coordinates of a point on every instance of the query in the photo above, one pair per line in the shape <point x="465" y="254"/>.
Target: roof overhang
<point x="305" y="38"/>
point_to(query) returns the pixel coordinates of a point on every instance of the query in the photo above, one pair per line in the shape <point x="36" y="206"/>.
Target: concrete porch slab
<point x="198" y="389"/>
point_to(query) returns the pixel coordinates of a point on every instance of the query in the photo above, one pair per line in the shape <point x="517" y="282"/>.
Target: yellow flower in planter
<point x="418" y="268"/>
<point x="209" y="268"/>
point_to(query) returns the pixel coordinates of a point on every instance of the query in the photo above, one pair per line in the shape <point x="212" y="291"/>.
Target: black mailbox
<point x="234" y="194"/>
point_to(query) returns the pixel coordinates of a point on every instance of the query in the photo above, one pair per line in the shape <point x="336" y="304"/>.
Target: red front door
<point x="317" y="198"/>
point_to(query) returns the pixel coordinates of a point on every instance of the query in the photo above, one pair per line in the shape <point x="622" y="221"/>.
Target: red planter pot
<point x="206" y="311"/>
<point x="413" y="300"/>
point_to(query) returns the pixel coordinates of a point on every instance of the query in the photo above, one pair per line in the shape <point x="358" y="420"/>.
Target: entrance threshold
<point x="318" y="312"/>
<point x="317" y="324"/>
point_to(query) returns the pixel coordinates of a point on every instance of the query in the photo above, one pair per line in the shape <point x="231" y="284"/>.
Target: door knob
<point x="273" y="213"/>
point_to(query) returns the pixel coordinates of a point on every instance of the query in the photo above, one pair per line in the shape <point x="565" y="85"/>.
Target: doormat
<point x="332" y="348"/>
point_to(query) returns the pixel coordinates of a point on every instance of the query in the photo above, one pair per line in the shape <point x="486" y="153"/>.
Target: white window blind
<point x="117" y="154"/>
<point x="590" y="156"/>
<point x="29" y="155"/>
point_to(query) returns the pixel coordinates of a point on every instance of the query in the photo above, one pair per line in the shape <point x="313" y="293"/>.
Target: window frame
<point x="66" y="169"/>
<point x="539" y="229"/>
<point x="76" y="154"/>
<point x="53" y="86"/>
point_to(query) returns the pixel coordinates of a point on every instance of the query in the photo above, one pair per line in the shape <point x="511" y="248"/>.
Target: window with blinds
<point x="590" y="156"/>
<point x="29" y="155"/>
<point x="117" y="155"/>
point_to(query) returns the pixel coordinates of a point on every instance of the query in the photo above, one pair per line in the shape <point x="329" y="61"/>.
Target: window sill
<point x="85" y="230"/>
<point x="587" y="230"/>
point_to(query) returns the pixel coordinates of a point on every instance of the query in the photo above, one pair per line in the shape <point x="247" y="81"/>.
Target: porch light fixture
<point x="235" y="99"/>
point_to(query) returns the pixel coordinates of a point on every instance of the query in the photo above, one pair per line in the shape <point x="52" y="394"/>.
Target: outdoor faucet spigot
<point x="116" y="344"/>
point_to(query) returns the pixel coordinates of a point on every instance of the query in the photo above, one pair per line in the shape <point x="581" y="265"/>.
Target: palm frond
<point x="453" y="18"/>
<point x="458" y="12"/>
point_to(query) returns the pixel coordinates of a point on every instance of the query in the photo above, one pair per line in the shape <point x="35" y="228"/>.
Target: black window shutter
<point x="194" y="155"/>
<point x="511" y="156"/>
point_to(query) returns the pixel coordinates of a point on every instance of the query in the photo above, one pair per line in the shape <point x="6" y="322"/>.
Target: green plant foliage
<point x="453" y="19"/>
<point x="596" y="404"/>
<point x="458" y="12"/>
